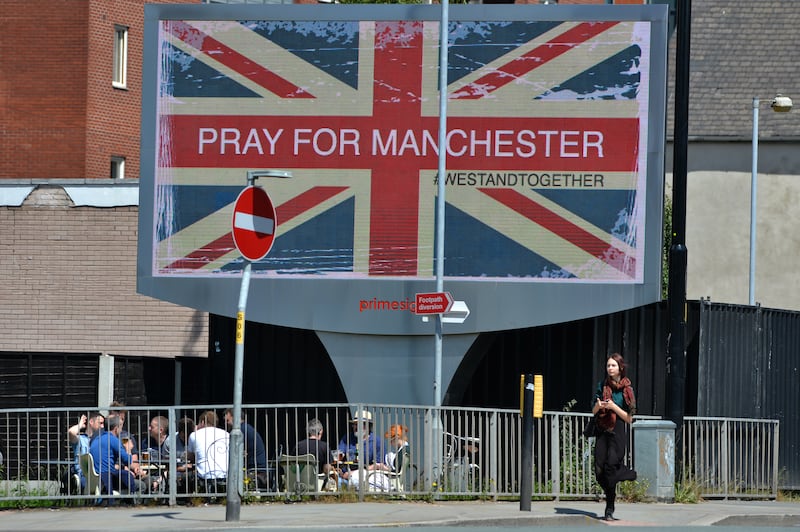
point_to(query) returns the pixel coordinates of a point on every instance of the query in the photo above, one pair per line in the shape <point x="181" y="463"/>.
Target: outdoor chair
<point x="300" y="476"/>
<point x="94" y="485"/>
<point x="395" y="480"/>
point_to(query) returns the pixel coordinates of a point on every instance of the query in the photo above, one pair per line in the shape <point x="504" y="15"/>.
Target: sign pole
<point x="236" y="448"/>
<point x="440" y="182"/>
<point x="255" y="222"/>
<point x="436" y="426"/>
<point x="526" y="466"/>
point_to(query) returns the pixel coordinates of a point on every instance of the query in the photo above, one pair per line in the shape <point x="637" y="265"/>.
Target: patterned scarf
<point x="606" y="419"/>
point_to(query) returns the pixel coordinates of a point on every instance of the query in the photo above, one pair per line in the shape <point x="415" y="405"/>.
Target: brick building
<point x="69" y="163"/>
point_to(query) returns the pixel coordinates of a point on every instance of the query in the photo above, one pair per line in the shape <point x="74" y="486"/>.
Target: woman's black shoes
<point x="609" y="515"/>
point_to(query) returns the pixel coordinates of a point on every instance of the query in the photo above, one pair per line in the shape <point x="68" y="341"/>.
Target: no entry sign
<point x="254" y="223"/>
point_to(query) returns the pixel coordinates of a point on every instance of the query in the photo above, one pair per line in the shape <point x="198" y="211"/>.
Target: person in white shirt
<point x="208" y="448"/>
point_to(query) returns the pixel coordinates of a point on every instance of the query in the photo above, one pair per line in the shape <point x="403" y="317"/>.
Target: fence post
<point x="105" y="380"/>
<point x="173" y="459"/>
<point x="493" y="455"/>
<point x="725" y="462"/>
<point x="555" y="456"/>
<point x="434" y="475"/>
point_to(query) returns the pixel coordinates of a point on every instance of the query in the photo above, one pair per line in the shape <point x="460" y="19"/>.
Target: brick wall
<point x="114" y="114"/>
<point x="112" y="127"/>
<point x="61" y="117"/>
<point x="42" y="88"/>
<point x="70" y="284"/>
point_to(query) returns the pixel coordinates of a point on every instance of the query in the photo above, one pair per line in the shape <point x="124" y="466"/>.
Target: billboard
<point x="553" y="155"/>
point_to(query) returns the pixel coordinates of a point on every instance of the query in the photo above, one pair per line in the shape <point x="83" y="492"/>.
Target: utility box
<point x="654" y="457"/>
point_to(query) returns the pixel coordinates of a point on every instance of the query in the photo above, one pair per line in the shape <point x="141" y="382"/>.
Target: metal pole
<point x="233" y="503"/>
<point x="440" y="181"/>
<point x="236" y="444"/>
<point x="753" y="197"/>
<point x="676" y="361"/>
<point x="236" y="447"/>
<point x="526" y="474"/>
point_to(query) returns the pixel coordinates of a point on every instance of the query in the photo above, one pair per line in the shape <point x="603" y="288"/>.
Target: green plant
<point x="25" y="496"/>
<point x="687" y="491"/>
<point x="576" y="457"/>
<point x="788" y="496"/>
<point x="635" y="491"/>
<point x="569" y="406"/>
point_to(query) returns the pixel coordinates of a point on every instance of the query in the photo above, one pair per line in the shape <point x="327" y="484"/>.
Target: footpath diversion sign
<point x="254" y="223"/>
<point x="433" y="303"/>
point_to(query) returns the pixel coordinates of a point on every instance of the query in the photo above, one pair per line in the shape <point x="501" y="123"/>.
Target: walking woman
<point x="614" y="406"/>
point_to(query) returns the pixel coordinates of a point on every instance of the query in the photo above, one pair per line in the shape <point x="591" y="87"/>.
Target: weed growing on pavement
<point x="687" y="491"/>
<point x="788" y="496"/>
<point x="635" y="491"/>
<point x="25" y="496"/>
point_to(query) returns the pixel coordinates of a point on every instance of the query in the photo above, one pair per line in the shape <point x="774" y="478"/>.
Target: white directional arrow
<point x="458" y="313"/>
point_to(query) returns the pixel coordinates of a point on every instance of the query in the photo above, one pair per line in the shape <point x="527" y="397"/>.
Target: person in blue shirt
<point x="111" y="459"/>
<point x="80" y="436"/>
<point x="254" y="449"/>
<point x="361" y="438"/>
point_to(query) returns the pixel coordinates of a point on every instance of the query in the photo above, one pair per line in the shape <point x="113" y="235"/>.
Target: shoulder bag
<point x="591" y="430"/>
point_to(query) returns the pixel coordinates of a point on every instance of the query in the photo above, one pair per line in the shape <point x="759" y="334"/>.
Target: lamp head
<point x="781" y="104"/>
<point x="252" y="175"/>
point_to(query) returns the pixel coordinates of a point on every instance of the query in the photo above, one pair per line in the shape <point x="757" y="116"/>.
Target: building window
<point x="120" y="79"/>
<point x="118" y="168"/>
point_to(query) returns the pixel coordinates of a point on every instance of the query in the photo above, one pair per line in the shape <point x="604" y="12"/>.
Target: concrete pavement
<point x="277" y="515"/>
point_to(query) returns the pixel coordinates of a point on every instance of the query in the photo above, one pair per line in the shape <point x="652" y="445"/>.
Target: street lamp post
<point x="780" y="104"/>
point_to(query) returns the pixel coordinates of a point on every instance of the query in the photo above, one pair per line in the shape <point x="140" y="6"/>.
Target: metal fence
<point x="454" y="452"/>
<point x="727" y="457"/>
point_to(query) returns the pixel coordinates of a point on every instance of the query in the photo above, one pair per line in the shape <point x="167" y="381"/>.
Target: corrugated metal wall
<point x="748" y="366"/>
<point x="571" y="357"/>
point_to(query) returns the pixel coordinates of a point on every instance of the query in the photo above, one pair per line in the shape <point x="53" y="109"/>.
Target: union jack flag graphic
<point x="545" y="146"/>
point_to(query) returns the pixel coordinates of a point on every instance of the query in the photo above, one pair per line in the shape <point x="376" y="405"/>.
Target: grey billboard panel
<point x="554" y="156"/>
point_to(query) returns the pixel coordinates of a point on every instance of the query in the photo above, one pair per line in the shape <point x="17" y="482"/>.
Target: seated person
<point x="113" y="462"/>
<point x="208" y="448"/>
<point x="80" y="436"/>
<point x="360" y="436"/>
<point x="255" y="453"/>
<point x="158" y="448"/>
<point x="398" y="440"/>
<point x="118" y="409"/>
<point x="397" y="435"/>
<point x="313" y="444"/>
<point x="185" y="469"/>
<point x="158" y="441"/>
<point x="185" y="428"/>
